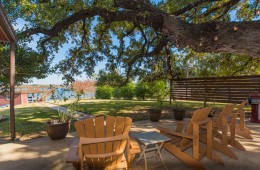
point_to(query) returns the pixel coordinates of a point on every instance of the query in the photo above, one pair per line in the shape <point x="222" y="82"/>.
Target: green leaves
<point x="29" y="64"/>
<point x="121" y="34"/>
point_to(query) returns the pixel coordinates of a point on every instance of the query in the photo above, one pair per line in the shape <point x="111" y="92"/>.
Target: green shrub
<point x="143" y="90"/>
<point x="128" y="91"/>
<point x="104" y="92"/>
<point x="159" y="90"/>
<point x="117" y="93"/>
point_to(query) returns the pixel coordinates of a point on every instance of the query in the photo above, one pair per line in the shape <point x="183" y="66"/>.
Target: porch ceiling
<point x="3" y="37"/>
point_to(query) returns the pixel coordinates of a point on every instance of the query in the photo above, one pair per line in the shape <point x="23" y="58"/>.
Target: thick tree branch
<point x="84" y="39"/>
<point x="169" y="63"/>
<point x="137" y="5"/>
<point x="227" y="4"/>
<point x="108" y="16"/>
<point x="143" y="34"/>
<point x="226" y="10"/>
<point x="226" y="37"/>
<point x="157" y="49"/>
<point x="191" y="6"/>
<point x="243" y="67"/>
<point x="42" y="45"/>
<point x="218" y="37"/>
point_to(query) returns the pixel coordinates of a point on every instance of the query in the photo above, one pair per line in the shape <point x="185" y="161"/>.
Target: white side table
<point x="150" y="141"/>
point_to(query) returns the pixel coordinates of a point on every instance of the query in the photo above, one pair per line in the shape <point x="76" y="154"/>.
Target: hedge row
<point x="156" y="90"/>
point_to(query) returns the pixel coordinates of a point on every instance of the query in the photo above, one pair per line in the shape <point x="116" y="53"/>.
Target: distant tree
<point x="159" y="90"/>
<point x="117" y="93"/>
<point x="28" y="64"/>
<point x="128" y="91"/>
<point x="104" y="92"/>
<point x="84" y="86"/>
<point x="143" y="90"/>
<point x="112" y="78"/>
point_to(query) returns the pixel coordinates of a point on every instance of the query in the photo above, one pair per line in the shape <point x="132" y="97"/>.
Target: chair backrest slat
<point x="241" y="106"/>
<point x="119" y="128"/>
<point x="101" y="128"/>
<point x="110" y="126"/>
<point x="100" y="133"/>
<point x="198" y="115"/>
<point x="90" y="130"/>
<point x="227" y="110"/>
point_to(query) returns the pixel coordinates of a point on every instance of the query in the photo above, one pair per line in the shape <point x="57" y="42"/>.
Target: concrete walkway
<point x="45" y="154"/>
<point x="77" y="115"/>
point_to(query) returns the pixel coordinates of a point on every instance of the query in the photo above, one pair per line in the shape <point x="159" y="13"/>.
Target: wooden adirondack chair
<point x="241" y="130"/>
<point x="103" y="142"/>
<point x="223" y="123"/>
<point x="181" y="141"/>
<point x="224" y="128"/>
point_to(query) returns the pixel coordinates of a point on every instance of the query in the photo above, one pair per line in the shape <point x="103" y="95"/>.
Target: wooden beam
<point x="12" y="91"/>
<point x="6" y="26"/>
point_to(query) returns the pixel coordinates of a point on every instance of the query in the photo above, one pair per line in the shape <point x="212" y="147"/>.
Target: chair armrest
<point x="72" y="156"/>
<point x="231" y="115"/>
<point x="184" y="122"/>
<point x="86" y="141"/>
<point x="202" y="122"/>
<point x="134" y="147"/>
<point x="171" y="132"/>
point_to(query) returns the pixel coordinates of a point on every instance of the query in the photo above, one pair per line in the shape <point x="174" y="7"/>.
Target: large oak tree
<point x="136" y="35"/>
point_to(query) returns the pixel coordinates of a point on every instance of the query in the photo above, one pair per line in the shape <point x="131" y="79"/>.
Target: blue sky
<point x="60" y="55"/>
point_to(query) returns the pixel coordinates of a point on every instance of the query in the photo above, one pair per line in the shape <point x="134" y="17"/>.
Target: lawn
<point x="29" y="120"/>
<point x="131" y="108"/>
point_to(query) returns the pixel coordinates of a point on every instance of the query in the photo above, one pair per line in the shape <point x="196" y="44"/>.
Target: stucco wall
<point x="24" y="98"/>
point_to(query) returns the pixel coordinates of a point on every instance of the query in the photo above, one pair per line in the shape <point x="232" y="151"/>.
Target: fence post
<point x="171" y="92"/>
<point x="229" y="89"/>
<point x="205" y="92"/>
<point x="186" y="89"/>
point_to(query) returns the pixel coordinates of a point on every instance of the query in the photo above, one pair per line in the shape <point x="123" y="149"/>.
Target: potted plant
<point x="178" y="113"/>
<point x="155" y="114"/>
<point x="58" y="129"/>
<point x="159" y="93"/>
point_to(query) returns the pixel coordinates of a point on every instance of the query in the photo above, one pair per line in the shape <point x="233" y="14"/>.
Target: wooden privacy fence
<point x="215" y="89"/>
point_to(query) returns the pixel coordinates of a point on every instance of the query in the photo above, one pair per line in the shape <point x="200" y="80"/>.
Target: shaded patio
<point x="43" y="153"/>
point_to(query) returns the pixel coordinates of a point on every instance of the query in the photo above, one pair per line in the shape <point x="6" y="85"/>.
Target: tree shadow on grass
<point x="29" y="121"/>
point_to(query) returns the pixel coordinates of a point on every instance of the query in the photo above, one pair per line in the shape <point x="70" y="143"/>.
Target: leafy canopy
<point x="131" y="35"/>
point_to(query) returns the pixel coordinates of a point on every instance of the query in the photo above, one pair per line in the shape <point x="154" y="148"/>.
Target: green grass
<point x="29" y="120"/>
<point x="131" y="107"/>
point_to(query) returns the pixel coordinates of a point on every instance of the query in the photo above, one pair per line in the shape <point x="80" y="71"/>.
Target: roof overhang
<point x="7" y="33"/>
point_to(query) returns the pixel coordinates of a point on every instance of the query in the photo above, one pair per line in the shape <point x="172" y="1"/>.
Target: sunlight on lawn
<point x="30" y="120"/>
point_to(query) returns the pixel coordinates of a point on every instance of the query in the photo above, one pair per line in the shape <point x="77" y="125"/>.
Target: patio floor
<point x="44" y="154"/>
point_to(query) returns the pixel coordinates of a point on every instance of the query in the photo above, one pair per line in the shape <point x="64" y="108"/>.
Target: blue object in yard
<point x="4" y="105"/>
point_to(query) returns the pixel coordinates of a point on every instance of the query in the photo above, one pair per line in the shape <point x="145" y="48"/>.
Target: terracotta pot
<point x="57" y="131"/>
<point x="155" y="114"/>
<point x="179" y="114"/>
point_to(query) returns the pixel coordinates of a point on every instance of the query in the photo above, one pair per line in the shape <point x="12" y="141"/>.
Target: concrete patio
<point x="44" y="154"/>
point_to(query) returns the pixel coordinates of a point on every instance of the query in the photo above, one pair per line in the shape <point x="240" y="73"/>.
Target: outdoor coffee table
<point x="150" y="141"/>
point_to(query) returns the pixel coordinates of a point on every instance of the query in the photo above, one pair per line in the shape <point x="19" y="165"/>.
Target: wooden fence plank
<point x="215" y="89"/>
